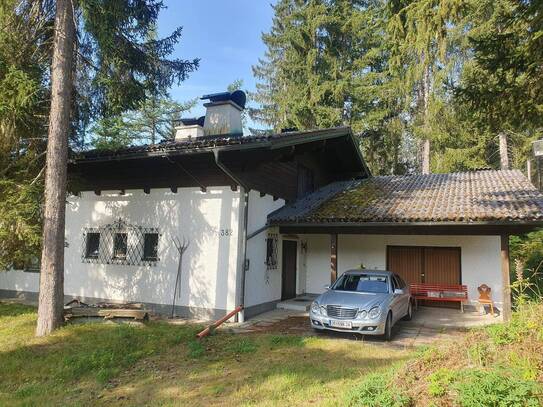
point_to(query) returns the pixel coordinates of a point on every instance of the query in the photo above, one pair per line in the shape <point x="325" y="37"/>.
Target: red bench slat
<point x="421" y="290"/>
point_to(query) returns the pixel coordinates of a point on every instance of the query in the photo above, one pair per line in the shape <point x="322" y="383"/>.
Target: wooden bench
<point x="440" y="292"/>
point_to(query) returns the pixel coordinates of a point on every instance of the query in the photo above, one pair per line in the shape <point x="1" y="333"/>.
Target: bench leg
<point x="492" y="309"/>
<point x="462" y="306"/>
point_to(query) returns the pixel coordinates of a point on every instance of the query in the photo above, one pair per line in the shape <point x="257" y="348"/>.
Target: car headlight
<point x="362" y="314"/>
<point x="374" y="312"/>
<point x="315" y="309"/>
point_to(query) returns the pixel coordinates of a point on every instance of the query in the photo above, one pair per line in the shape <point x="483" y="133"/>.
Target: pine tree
<point x="128" y="65"/>
<point x="419" y="38"/>
<point x="326" y="65"/>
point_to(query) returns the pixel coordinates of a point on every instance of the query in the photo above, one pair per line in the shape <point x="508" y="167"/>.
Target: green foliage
<point x="152" y="122"/>
<point x="439" y="381"/>
<point x="120" y="64"/>
<point x="479" y="353"/>
<point x="129" y="62"/>
<point x="375" y="391"/>
<point x="24" y="66"/>
<point x="496" y="387"/>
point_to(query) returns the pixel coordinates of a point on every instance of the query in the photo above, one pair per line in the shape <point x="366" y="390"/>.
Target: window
<point x="92" y="248"/>
<point x="401" y="283"/>
<point x="362" y="283"/>
<point x="271" y="252"/>
<point x="120" y="245"/>
<point x="150" y="247"/>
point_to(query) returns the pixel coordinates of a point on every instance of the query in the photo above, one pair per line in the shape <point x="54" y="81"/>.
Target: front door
<point x="288" y="287"/>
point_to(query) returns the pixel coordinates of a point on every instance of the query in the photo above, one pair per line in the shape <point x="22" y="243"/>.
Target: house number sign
<point x="226" y="232"/>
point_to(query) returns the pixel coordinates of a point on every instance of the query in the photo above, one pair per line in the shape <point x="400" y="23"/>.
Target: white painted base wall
<point x="261" y="285"/>
<point x="480" y="258"/>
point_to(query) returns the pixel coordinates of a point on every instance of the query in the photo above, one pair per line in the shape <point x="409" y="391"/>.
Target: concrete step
<point x="296" y="304"/>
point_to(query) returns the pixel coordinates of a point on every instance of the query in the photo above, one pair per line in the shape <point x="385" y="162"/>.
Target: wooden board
<point x="106" y="313"/>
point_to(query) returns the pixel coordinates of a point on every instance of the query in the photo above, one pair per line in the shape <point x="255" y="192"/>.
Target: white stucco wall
<point x="17" y="280"/>
<point x="261" y="285"/>
<point x="209" y="264"/>
<point x="480" y="258"/>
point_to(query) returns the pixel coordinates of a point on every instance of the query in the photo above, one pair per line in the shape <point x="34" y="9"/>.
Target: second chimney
<point x="223" y="113"/>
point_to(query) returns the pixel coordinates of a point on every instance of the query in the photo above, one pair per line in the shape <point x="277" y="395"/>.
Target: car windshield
<point x="363" y="283"/>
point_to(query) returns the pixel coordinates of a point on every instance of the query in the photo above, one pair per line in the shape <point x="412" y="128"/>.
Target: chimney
<point x="189" y="129"/>
<point x="223" y="113"/>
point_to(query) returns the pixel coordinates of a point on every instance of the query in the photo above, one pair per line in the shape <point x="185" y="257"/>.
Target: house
<point x="267" y="218"/>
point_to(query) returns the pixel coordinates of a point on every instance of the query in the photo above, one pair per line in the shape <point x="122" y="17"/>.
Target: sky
<point x="224" y="34"/>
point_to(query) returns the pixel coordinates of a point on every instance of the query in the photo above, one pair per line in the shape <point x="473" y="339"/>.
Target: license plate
<point x="341" y="324"/>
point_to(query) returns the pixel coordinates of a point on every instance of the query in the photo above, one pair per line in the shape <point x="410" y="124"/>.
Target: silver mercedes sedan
<point x="368" y="302"/>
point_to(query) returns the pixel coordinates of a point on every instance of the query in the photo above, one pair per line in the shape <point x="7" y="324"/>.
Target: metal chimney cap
<point x="190" y="121"/>
<point x="238" y="97"/>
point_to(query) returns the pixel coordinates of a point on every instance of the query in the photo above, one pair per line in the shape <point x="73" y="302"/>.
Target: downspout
<point x="242" y="268"/>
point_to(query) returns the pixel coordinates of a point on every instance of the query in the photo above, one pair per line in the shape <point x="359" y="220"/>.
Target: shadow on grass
<point x="258" y="368"/>
<point x="99" y="364"/>
<point x="51" y="370"/>
<point x="13" y="309"/>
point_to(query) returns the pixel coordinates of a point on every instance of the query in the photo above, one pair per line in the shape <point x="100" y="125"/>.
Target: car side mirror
<point x="327" y="286"/>
<point x="398" y="291"/>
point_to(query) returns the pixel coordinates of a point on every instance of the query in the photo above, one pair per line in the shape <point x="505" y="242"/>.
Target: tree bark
<point x="426" y="101"/>
<point x="504" y="157"/>
<point x="51" y="295"/>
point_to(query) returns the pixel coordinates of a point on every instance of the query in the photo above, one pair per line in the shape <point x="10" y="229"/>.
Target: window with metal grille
<point x="120" y="245"/>
<point x="92" y="248"/>
<point x="150" y="246"/>
<point x="271" y="252"/>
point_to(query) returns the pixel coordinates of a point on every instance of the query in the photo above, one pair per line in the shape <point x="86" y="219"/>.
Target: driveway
<point x="427" y="326"/>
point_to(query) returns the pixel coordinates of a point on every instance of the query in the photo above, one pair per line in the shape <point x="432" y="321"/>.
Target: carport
<point x="437" y="228"/>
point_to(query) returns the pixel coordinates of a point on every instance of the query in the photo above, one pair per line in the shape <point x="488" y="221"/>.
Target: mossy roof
<point x="490" y="195"/>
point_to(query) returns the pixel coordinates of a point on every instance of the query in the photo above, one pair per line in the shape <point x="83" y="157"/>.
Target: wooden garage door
<point x="433" y="265"/>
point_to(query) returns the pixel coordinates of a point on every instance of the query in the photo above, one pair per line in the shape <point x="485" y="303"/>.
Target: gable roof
<point x="204" y="144"/>
<point x="477" y="196"/>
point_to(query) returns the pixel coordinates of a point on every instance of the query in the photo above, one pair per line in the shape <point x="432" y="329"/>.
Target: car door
<point x="404" y="298"/>
<point x="396" y="303"/>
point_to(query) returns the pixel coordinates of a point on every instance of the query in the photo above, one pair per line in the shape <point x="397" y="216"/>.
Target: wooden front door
<point x="432" y="265"/>
<point x="288" y="285"/>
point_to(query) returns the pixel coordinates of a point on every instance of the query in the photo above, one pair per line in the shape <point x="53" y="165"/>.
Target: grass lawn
<point x="161" y="364"/>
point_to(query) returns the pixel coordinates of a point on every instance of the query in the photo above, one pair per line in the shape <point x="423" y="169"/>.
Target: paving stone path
<point x="292" y="322"/>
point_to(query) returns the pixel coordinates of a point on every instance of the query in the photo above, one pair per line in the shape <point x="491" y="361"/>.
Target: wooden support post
<point x="506" y="279"/>
<point x="333" y="258"/>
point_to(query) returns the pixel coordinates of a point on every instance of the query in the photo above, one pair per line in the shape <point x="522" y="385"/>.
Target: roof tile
<point x="489" y="195"/>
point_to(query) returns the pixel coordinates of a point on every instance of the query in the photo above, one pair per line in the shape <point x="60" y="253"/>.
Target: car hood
<point x="353" y="300"/>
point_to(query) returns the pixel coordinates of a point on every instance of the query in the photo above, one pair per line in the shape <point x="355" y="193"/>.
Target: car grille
<point x="336" y="311"/>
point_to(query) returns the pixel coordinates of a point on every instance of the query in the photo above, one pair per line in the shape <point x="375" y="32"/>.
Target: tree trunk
<point x="426" y="101"/>
<point x="504" y="157"/>
<point x="52" y="261"/>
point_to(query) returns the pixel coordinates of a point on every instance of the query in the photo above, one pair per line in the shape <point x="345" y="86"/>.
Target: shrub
<point x="496" y="388"/>
<point x="439" y="382"/>
<point x="374" y="391"/>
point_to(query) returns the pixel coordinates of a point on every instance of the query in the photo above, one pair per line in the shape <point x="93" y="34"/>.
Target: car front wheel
<point x="388" y="328"/>
<point x="409" y="314"/>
